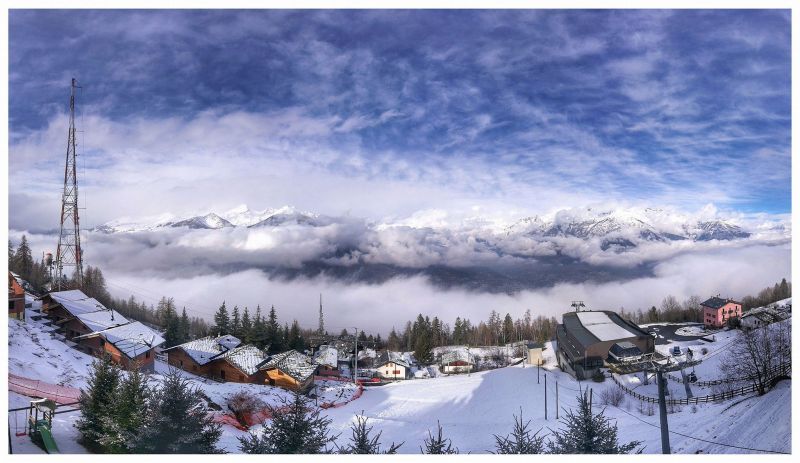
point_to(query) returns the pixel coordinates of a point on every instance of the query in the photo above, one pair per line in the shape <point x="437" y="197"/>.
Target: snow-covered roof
<point x="246" y="358"/>
<point x="131" y="339"/>
<point x="717" y="302"/>
<point x="102" y="319"/>
<point x="293" y="363"/>
<point x="765" y="314"/>
<point x="327" y="356"/>
<point x="229" y="342"/>
<point x="202" y="350"/>
<point x="76" y="302"/>
<point x="395" y="357"/>
<point x="603" y="327"/>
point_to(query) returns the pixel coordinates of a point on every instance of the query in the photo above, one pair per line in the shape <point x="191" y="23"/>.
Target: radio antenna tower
<point x="321" y="328"/>
<point x="69" y="252"/>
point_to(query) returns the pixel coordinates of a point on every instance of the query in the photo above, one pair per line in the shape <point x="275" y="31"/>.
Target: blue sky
<point x="389" y="112"/>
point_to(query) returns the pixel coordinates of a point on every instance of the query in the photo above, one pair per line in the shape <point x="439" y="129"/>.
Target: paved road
<point x="666" y="333"/>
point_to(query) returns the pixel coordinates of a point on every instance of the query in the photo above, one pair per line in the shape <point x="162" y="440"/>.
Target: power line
<point x="697" y="438"/>
<point x="679" y="433"/>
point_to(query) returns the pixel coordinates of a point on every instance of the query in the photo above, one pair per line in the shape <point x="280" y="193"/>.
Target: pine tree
<point x="129" y="408"/>
<point x="236" y="323"/>
<point x="520" y="441"/>
<point x="362" y="443"/>
<point x="284" y="338"/>
<point x="423" y="346"/>
<point x="247" y="327"/>
<point x="178" y="420"/>
<point x="393" y="342"/>
<point x="222" y="324"/>
<point x="170" y="322"/>
<point x="273" y="331"/>
<point x="508" y="329"/>
<point x="784" y="289"/>
<point x="437" y="445"/>
<point x="295" y="429"/>
<point x="23" y="260"/>
<point x="260" y="338"/>
<point x="185" y="328"/>
<point x="458" y="331"/>
<point x="96" y="402"/>
<point x="295" y="338"/>
<point x="587" y="433"/>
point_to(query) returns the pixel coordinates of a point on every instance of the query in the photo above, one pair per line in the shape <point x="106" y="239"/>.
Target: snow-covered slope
<point x="471" y="408"/>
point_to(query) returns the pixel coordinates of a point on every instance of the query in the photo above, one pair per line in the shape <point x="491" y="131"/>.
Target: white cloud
<point x="733" y="272"/>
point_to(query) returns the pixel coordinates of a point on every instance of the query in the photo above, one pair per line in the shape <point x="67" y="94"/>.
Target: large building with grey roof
<point x="585" y="338"/>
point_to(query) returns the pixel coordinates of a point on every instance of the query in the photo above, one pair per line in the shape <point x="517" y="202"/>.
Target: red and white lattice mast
<point x="69" y="240"/>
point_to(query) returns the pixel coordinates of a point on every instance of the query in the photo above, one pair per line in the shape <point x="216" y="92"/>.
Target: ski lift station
<point x="586" y="337"/>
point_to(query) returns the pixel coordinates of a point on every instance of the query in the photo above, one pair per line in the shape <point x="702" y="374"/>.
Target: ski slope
<point x="471" y="408"/>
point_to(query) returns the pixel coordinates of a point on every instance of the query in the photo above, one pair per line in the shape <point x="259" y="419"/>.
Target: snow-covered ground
<point x="470" y="407"/>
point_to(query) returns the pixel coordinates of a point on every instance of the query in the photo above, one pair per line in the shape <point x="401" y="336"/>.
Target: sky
<point x="378" y="114"/>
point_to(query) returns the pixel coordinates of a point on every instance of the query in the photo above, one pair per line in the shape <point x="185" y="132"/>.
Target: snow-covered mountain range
<point x="617" y="227"/>
<point x="479" y="251"/>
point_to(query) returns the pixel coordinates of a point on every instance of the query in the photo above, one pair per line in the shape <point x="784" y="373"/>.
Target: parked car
<point x="676" y="351"/>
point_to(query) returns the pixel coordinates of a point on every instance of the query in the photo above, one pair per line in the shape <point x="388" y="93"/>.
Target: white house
<point x="457" y="361"/>
<point x="392" y="365"/>
<point x="759" y="317"/>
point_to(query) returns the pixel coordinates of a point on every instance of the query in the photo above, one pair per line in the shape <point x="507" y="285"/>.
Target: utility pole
<point x="538" y="369"/>
<point x="556" y="399"/>
<point x="68" y="253"/>
<point x="662" y="409"/>
<point x="355" y="357"/>
<point x="545" y="397"/>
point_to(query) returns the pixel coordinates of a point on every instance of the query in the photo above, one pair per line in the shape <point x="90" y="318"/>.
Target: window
<point x="241" y="378"/>
<point x="147" y="354"/>
<point x="180" y="362"/>
<point x="222" y="374"/>
<point x="102" y="342"/>
<point x="396" y="372"/>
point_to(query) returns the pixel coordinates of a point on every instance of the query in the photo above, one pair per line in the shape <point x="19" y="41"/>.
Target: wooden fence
<point x="781" y="370"/>
<point x="776" y="370"/>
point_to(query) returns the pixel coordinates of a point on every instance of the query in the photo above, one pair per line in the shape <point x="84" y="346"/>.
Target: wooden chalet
<point x="239" y="365"/>
<point x="130" y="345"/>
<point x="327" y="359"/>
<point x="197" y="356"/>
<point x="16" y="297"/>
<point x="290" y="370"/>
<point x="89" y="326"/>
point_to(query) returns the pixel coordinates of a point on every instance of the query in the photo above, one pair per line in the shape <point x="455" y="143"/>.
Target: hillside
<point x="471" y="408"/>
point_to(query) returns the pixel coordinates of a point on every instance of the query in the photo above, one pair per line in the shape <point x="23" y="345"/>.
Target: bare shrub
<point x="612" y="396"/>
<point x="243" y="404"/>
<point x="704" y="350"/>
<point x="647" y="408"/>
